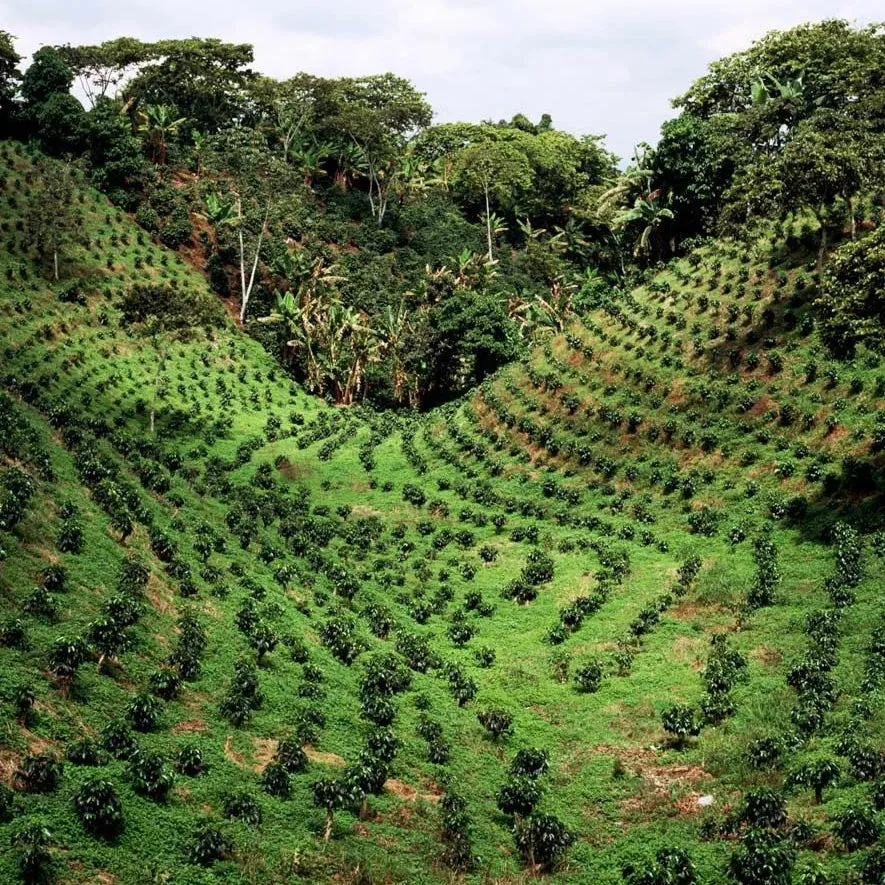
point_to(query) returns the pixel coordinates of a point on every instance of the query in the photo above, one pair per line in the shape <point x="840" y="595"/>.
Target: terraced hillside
<point x="607" y="605"/>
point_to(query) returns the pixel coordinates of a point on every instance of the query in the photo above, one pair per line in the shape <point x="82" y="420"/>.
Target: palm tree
<point x="650" y="216"/>
<point x="217" y="211"/>
<point x="310" y="158"/>
<point x="157" y="122"/>
<point x="350" y="161"/>
<point x="394" y="334"/>
<point x="634" y="180"/>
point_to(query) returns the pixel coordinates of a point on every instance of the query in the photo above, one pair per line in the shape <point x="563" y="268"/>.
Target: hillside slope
<point x="567" y="548"/>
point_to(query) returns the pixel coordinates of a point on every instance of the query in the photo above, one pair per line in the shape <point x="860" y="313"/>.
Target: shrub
<point x="7" y="804"/>
<point x="276" y="780"/>
<point x="761" y="860"/>
<point x="144" y="712"/>
<point x="189" y="761"/>
<point x="856" y="827"/>
<point x="242" y="806"/>
<point x="33" y="841"/>
<point x="150" y="775"/>
<point x="86" y="752"/>
<point x="814" y="774"/>
<point x="98" y="807"/>
<point x="680" y="721"/>
<point x="291" y="755"/>
<point x="530" y="762"/>
<point x="118" y="740"/>
<point x="39" y="773"/>
<point x="765" y="752"/>
<point x="497" y="723"/>
<point x="207" y="845"/>
<point x="588" y="677"/>
<point x="671" y="866"/>
<point x="519" y="796"/>
<point x="542" y="839"/>
<point x="331" y="794"/>
<point x="764" y="808"/>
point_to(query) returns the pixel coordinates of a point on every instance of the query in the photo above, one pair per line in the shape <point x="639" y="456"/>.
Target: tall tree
<point x="102" y="68"/>
<point x="157" y="122"/>
<point x="50" y="222"/>
<point x="10" y="76"/>
<point x="495" y="171"/>
<point x="206" y="80"/>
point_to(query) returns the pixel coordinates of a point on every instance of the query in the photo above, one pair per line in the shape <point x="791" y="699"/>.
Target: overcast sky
<point x="597" y="66"/>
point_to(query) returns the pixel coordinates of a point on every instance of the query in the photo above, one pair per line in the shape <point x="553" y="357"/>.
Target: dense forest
<point x="384" y="501"/>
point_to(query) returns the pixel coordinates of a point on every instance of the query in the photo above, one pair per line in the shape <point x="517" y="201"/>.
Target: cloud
<point x="607" y="66"/>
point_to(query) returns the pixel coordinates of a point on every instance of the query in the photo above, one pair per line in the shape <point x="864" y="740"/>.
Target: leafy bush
<point x="33" y="842"/>
<point x="857" y="827"/>
<point x="680" y="721"/>
<point x="39" y="773"/>
<point x="542" y="840"/>
<point x="242" y="806"/>
<point x="207" y="845"/>
<point x="671" y="866"/>
<point x="497" y="723"/>
<point x="189" y="761"/>
<point x="276" y="780"/>
<point x="588" y="677"/>
<point x="150" y="775"/>
<point x="519" y="796"/>
<point x="99" y="808"/>
<point x="530" y="762"/>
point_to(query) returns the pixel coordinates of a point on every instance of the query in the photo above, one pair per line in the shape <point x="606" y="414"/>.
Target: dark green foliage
<point x="764" y="808"/>
<point x="86" y="752"/>
<point x="144" y="712"/>
<point x="276" y="780"/>
<point x="588" y="677"/>
<point x="32" y="843"/>
<point x="857" y="827"/>
<point x="207" y="845"/>
<point x="242" y="806"/>
<point x="850" y="303"/>
<point x="497" y="723"/>
<point x="542" y="840"/>
<point x="190" y="761"/>
<point x="150" y="775"/>
<point x="671" y="866"/>
<point x="98" y="807"/>
<point x="7" y="804"/>
<point x="39" y="773"/>
<point x="814" y="774"/>
<point x="680" y="721"/>
<point x="117" y="738"/>
<point x="519" y="796"/>
<point x="761" y="860"/>
<point x="530" y="762"/>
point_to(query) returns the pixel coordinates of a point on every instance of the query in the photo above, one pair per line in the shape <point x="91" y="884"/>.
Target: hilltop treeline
<point x="380" y="255"/>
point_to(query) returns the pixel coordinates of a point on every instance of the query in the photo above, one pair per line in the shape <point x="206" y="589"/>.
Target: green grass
<point x="494" y="454"/>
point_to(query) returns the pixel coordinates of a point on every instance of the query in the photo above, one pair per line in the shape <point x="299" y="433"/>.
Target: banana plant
<point x="649" y="215"/>
<point x="157" y="122"/>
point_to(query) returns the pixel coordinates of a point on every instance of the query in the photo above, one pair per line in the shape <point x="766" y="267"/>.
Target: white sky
<point x="597" y="66"/>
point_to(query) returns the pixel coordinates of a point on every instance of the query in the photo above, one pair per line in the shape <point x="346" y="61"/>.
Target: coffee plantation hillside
<point x="614" y="617"/>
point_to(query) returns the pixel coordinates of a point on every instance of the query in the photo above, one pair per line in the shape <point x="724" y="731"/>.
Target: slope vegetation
<point x="270" y="608"/>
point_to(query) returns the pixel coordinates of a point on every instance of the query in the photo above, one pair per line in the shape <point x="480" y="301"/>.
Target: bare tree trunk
<point x="327" y="833"/>
<point x="55" y="263"/>
<point x="247" y="289"/>
<point x="821" y="252"/>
